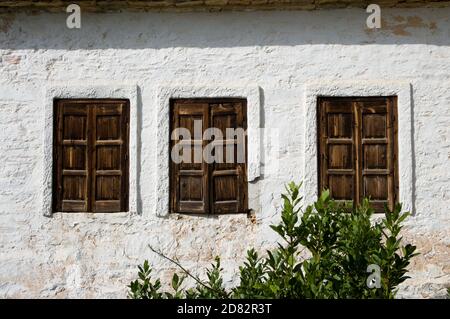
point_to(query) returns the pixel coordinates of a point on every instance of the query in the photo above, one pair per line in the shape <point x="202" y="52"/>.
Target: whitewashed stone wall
<point x="280" y="53"/>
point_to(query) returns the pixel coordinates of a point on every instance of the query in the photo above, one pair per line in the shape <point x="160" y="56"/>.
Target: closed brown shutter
<point x="91" y="155"/>
<point x="202" y="187"/>
<point x="337" y="149"/>
<point x="228" y="179"/>
<point x="378" y="151"/>
<point x="109" y="157"/>
<point x="190" y="179"/>
<point x="357" y="149"/>
<point x="71" y="157"/>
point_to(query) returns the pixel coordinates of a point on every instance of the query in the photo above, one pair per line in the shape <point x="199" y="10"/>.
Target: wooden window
<point x="198" y="186"/>
<point x="91" y="155"/>
<point x="358" y="149"/>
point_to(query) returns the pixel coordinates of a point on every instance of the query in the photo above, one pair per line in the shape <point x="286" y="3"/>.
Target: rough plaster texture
<point x="282" y="53"/>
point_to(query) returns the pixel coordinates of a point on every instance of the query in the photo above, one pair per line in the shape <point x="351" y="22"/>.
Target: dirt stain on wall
<point x="404" y="25"/>
<point x="12" y="59"/>
<point x="6" y="21"/>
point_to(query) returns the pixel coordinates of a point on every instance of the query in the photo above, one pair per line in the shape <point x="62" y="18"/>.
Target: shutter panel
<point x="377" y="149"/>
<point x="228" y="180"/>
<point x="189" y="179"/>
<point x="71" y="157"/>
<point x="109" y="149"/>
<point x="338" y="149"/>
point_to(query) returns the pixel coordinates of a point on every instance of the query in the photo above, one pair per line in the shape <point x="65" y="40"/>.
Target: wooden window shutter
<point x="209" y="187"/>
<point x="109" y="149"/>
<point x="337" y="149"/>
<point x="91" y="155"/>
<point x="228" y="180"/>
<point x="71" y="157"/>
<point x="357" y="149"/>
<point x="378" y="151"/>
<point x="189" y="180"/>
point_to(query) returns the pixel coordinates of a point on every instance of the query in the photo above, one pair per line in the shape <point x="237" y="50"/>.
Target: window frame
<point x="124" y="196"/>
<point x="172" y="166"/>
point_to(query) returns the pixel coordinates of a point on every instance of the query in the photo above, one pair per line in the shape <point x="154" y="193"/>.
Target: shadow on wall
<point x="227" y="29"/>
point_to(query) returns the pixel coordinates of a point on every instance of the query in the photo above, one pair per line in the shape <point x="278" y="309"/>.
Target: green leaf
<point x="175" y="280"/>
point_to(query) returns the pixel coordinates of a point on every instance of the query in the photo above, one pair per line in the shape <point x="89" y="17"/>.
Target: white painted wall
<point x="86" y="255"/>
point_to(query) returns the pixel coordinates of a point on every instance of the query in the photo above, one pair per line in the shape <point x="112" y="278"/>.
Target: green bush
<point x="328" y="250"/>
